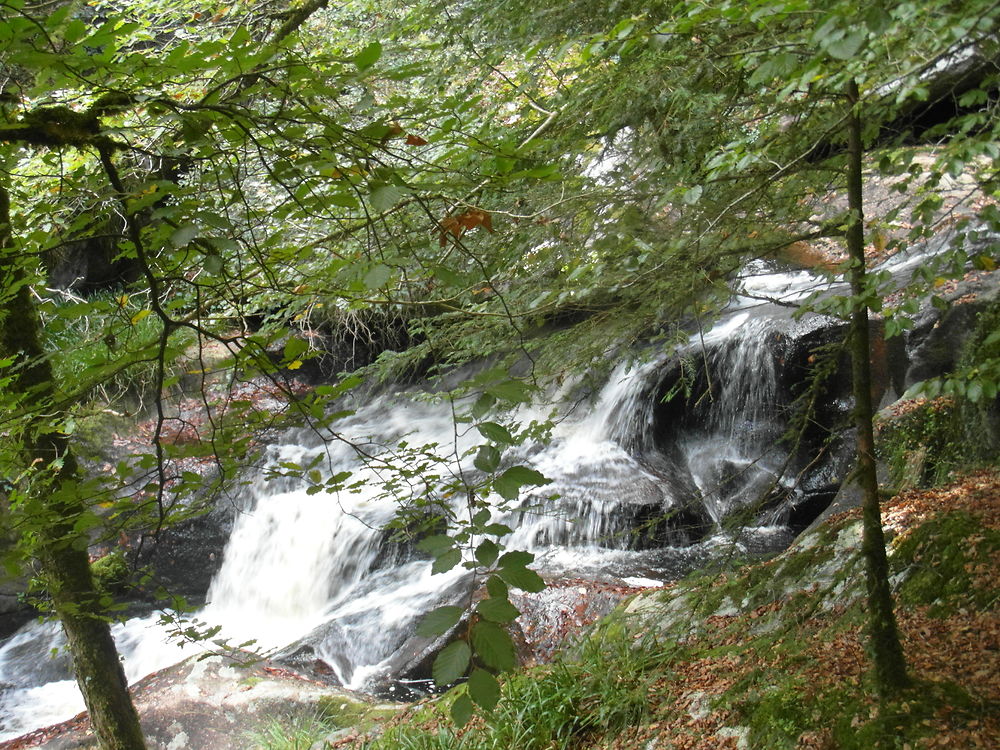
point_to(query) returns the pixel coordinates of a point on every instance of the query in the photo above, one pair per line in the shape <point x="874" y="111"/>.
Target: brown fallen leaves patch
<point x="978" y="494"/>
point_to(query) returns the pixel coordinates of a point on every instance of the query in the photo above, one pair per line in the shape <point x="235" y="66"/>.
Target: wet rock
<point x="308" y="656"/>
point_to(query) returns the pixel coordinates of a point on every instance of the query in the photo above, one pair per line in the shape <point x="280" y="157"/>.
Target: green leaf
<point x="486" y="553"/>
<point x="509" y="483"/>
<point x="522" y="578"/>
<point x="516" y="559"/>
<point x="461" y="710"/>
<point x="495" y="432"/>
<point x="483" y="404"/>
<point x="344" y="200"/>
<point x="447" y="561"/>
<point x="385" y="197"/>
<point x="439" y="621"/>
<point x="294" y="347"/>
<point x="497" y="610"/>
<point x="484" y="689"/>
<point x="377" y="276"/>
<point x="487" y="459"/>
<point x="847" y="46"/>
<point x="183" y="235"/>
<point x="435" y="545"/>
<point x="877" y="19"/>
<point x="493" y="645"/>
<point x="496" y="587"/>
<point x="213" y="264"/>
<point x="497" y="529"/>
<point x="447" y="275"/>
<point x="368" y="56"/>
<point x="451" y="663"/>
<point x="515" y="391"/>
<point x="984" y="262"/>
<point x="693" y="195"/>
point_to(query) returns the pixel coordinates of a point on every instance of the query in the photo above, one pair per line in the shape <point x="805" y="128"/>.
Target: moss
<point x="777" y="714"/>
<point x="96" y="428"/>
<point x="924" y="443"/>
<point x="941" y="560"/>
<point x="780" y="708"/>
<point x="111" y="572"/>
<point x="339" y="711"/>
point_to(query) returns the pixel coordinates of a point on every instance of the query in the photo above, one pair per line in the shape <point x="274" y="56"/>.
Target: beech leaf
<point x="451" y="663"/>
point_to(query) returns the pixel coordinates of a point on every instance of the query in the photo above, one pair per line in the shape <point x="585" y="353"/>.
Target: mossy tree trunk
<point x="886" y="650"/>
<point x="49" y="492"/>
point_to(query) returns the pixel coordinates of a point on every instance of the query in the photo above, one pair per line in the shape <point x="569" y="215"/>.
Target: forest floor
<point x="771" y="655"/>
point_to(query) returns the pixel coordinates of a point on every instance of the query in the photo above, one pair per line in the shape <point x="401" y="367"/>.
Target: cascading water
<point x="318" y="566"/>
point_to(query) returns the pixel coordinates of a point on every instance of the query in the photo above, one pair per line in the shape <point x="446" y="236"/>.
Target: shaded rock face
<point x="184" y="558"/>
<point x="329" y="654"/>
<point x="934" y="344"/>
<point x="13" y="611"/>
<point x="720" y="417"/>
<point x="342" y="344"/>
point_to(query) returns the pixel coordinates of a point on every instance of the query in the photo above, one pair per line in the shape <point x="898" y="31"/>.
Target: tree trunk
<point x="886" y="651"/>
<point x="48" y="485"/>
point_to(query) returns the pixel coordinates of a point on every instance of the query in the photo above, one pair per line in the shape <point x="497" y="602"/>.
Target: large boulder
<point x="217" y="703"/>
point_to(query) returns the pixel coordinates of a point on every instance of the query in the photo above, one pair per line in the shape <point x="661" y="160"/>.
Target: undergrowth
<point x="551" y="707"/>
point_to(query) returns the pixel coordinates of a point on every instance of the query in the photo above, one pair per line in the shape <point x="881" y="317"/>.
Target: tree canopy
<point x="542" y="184"/>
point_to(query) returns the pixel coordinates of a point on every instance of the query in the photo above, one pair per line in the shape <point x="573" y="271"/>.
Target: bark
<point x="49" y="475"/>
<point x="886" y="650"/>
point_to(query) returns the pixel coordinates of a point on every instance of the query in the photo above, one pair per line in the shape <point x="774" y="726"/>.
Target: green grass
<point x="298" y="733"/>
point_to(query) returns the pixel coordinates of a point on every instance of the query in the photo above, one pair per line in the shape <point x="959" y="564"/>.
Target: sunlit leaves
<point x="377" y="276"/>
<point x="487" y="459"/>
<point x="368" y="56"/>
<point x="497" y="609"/>
<point x="493" y="645"/>
<point x="487" y="553"/>
<point x="495" y="432"/>
<point x="446" y="561"/>
<point x="461" y="710"/>
<point x="384" y="197"/>
<point x="509" y="483"/>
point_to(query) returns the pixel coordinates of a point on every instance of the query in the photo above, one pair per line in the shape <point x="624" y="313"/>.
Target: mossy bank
<point x="770" y="655"/>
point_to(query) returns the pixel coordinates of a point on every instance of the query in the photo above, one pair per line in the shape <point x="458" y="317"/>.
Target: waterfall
<point x="629" y="492"/>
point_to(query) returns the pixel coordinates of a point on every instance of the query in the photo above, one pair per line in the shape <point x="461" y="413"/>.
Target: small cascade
<point x="604" y="492"/>
<point x="734" y="454"/>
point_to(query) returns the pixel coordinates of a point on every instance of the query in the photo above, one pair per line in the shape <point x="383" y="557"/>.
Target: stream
<point x="644" y="496"/>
